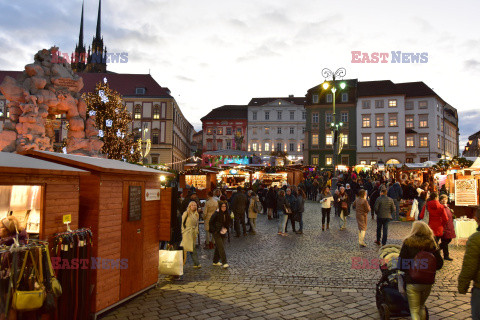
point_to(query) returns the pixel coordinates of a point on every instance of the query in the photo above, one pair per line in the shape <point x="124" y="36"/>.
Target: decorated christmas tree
<point x="112" y="120"/>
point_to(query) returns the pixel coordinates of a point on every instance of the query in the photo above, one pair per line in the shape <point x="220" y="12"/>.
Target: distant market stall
<point x="278" y="176"/>
<point x="203" y="180"/>
<point x="231" y="178"/>
<point x="220" y="158"/>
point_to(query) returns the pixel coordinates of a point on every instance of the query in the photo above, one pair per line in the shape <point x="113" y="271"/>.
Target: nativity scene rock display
<point x="47" y="87"/>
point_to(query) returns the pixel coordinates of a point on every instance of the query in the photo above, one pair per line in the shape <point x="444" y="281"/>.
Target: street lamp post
<point x="326" y="73"/>
<point x="143" y="142"/>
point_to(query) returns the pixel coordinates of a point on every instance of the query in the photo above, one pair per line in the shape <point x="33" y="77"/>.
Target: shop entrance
<point x="131" y="278"/>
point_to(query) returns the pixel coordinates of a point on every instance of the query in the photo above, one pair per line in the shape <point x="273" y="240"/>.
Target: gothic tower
<point x="79" y="58"/>
<point x="97" y="57"/>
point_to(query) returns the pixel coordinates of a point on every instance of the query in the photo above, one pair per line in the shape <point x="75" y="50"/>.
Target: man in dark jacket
<point x="384" y="209"/>
<point x="396" y="193"/>
<point x="373" y="198"/>
<point x="471" y="270"/>
<point x="292" y="202"/>
<point x="239" y="205"/>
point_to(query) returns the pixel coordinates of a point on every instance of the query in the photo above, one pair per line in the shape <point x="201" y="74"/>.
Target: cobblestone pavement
<point x="307" y="276"/>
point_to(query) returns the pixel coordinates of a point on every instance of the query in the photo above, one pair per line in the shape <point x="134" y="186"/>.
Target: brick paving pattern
<point x="307" y="276"/>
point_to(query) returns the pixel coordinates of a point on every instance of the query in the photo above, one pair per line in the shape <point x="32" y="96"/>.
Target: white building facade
<point x="404" y="123"/>
<point x="277" y="124"/>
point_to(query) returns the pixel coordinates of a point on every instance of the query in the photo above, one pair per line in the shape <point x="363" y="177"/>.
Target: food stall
<point x="231" y="178"/>
<point x="201" y="179"/>
<point x="271" y="179"/>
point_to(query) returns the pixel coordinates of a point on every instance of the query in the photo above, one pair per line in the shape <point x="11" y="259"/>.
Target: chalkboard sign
<point x="134" y="203"/>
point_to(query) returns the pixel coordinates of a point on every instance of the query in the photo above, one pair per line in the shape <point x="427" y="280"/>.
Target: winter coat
<point x="373" y="198"/>
<point x="281" y="201"/>
<point x="239" y="203"/>
<point x="189" y="230"/>
<point x="292" y="202"/>
<point x="220" y="220"/>
<point x="384" y="207"/>
<point x="251" y="212"/>
<point x="362" y="208"/>
<point x="327" y="204"/>
<point x="449" y="229"/>
<point x="270" y="199"/>
<point x="300" y="204"/>
<point x="395" y="192"/>
<point x="471" y="264"/>
<point x="413" y="245"/>
<point x="210" y="207"/>
<point x="437" y="217"/>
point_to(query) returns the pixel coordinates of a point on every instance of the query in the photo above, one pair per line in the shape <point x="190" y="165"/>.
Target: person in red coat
<point x="436" y="215"/>
<point x="448" y="230"/>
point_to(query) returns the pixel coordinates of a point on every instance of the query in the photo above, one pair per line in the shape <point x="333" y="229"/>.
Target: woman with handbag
<point x="219" y="224"/>
<point x="362" y="208"/>
<point x="448" y="230"/>
<point x="190" y="233"/>
<point x="437" y="217"/>
<point x="282" y="208"/>
<point x="326" y="200"/>
<point x="342" y="200"/>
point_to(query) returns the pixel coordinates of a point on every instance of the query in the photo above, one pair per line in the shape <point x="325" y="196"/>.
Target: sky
<point x="211" y="53"/>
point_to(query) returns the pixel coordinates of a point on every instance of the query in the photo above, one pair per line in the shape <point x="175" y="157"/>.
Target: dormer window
<point x="140" y="90"/>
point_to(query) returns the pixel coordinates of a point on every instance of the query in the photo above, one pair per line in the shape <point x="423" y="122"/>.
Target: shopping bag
<point x="170" y="262"/>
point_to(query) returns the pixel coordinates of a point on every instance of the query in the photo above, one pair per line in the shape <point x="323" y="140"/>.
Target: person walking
<point x="373" y="198"/>
<point x="210" y="207"/>
<point x="219" y="224"/>
<point x="326" y="200"/>
<point x="420" y="239"/>
<point x="471" y="269"/>
<point x="292" y="204"/>
<point x="362" y="208"/>
<point x="343" y="206"/>
<point x="384" y="209"/>
<point x="282" y="221"/>
<point x="448" y="230"/>
<point x="190" y="233"/>
<point x="395" y="192"/>
<point x="300" y="209"/>
<point x="437" y="217"/>
<point x="253" y="212"/>
<point x="239" y="204"/>
<point x="270" y="200"/>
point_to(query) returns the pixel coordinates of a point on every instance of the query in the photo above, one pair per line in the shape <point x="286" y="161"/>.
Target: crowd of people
<point x="368" y="194"/>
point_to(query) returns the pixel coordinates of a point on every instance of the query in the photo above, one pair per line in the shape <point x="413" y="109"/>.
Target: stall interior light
<point x="162" y="178"/>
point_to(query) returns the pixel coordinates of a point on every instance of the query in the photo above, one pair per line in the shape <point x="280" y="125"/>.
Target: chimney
<point x="290" y="95"/>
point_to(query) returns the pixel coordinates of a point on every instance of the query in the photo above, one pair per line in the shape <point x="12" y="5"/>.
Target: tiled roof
<point x="415" y="89"/>
<point x="227" y="112"/>
<point x="377" y="88"/>
<point x="263" y="101"/>
<point x="474" y="136"/>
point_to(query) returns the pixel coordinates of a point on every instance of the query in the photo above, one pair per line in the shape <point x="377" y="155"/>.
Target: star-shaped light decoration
<point x="116" y="110"/>
<point x="109" y="123"/>
<point x="101" y="93"/>
<point x="119" y="133"/>
<point x="100" y="133"/>
<point x="131" y="150"/>
<point x="105" y="80"/>
<point x="91" y="113"/>
<point x="64" y="149"/>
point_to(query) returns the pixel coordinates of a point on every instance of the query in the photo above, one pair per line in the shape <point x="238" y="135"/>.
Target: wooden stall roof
<point x="96" y="164"/>
<point x="16" y="163"/>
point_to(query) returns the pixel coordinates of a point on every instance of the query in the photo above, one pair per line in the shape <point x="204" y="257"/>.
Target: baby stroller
<point x="391" y="302"/>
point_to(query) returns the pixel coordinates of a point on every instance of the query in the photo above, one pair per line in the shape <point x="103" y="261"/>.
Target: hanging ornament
<point x="131" y="150"/>
<point x="101" y="93"/>
<point x="91" y="113"/>
<point x="100" y="133"/>
<point x="123" y="135"/>
<point x="109" y="123"/>
<point x="119" y="133"/>
<point x="64" y="149"/>
<point x="105" y="80"/>
<point x="104" y="99"/>
<point x="116" y="110"/>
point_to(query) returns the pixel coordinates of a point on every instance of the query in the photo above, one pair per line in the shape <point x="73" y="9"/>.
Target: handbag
<point x="54" y="283"/>
<point x="287" y="209"/>
<point x="170" y="262"/>
<point x="29" y="300"/>
<point x="344" y="205"/>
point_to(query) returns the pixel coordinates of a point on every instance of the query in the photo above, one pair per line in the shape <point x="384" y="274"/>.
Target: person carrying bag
<point x="29" y="300"/>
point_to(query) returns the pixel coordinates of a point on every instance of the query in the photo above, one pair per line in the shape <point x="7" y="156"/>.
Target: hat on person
<point x="348" y="186"/>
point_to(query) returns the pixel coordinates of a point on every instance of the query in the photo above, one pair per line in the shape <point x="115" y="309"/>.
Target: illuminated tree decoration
<point x="112" y="117"/>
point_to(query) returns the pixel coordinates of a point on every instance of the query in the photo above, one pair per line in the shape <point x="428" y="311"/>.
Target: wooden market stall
<point x="231" y="178"/>
<point x="201" y="179"/>
<point x="129" y="214"/>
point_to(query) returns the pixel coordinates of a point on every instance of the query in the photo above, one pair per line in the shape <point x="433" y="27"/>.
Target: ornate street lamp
<point x="144" y="144"/>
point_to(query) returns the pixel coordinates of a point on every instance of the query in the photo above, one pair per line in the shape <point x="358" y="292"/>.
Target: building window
<point x="292" y="130"/>
<point x="423" y="159"/>
<point x="228" y="145"/>
<point x="279" y="130"/>
<point x="366" y="141"/>
<point x="57" y="135"/>
<point x="303" y="146"/>
<point x="209" y="145"/>
<point x="58" y="116"/>
<point x="267" y="146"/>
<point x="155" y="159"/>
<point x="344" y="97"/>
<point x="392" y="103"/>
<point x="315" y="117"/>
<point x="380" y="140"/>
<point x="409" y="105"/>
<point x="410" y="141"/>
<point x="220" y="131"/>
<point x="229" y="131"/>
<point x="365" y="121"/>
<point x="328" y="118"/>
<point x="409" y="121"/>
<point x="303" y="130"/>
<point x="345" y="139"/>
<point x="392" y="120"/>
<point x="393" y="140"/>
<point x="279" y="146"/>
<point x="314" y="139"/>
<point x="254" y="146"/>
<point x="438" y="142"/>
<point x="344" y="117"/>
<point x="363" y="162"/>
<point x="138" y="112"/>
<point x="155" y="137"/>
<point x="329" y="98"/>
<point x="378" y="104"/>
<point x="267" y="115"/>
<point x="156" y="112"/>
<point x="422" y="104"/>
<point x="254" y="131"/>
<point x="315" y="160"/>
<point x="379" y="119"/>
<point x="139" y="90"/>
<point x="304" y="115"/>
<point x="292" y="147"/>
<point x="328" y="160"/>
<point x="423" y="120"/>
<point x="328" y="139"/>
<point x="254" y="115"/>
<point x="424" y="141"/>
<point x="279" y="115"/>
<point x="220" y="145"/>
<point x="315" y="98"/>
<point x="292" y="115"/>
<point x="409" y="160"/>
<point x="267" y="130"/>
<point x="366" y="104"/>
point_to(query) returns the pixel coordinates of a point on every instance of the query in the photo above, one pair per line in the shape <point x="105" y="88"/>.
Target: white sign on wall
<point x="152" y="194"/>
<point x="466" y="192"/>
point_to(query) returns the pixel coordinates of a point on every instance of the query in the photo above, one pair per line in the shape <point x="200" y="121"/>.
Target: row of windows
<point x="393" y="140"/>
<point x="329" y="139"/>
<point x="180" y="144"/>
<point x="344" y="160"/>
<point x="220" y="131"/>
<point x="279" y="115"/>
<point x="329" y="98"/>
<point x="219" y="145"/>
<point x="329" y="117"/>
<point x="393" y="120"/>
<point x="267" y="147"/>
<point x="279" y="130"/>
<point x="392" y="103"/>
<point x="158" y="111"/>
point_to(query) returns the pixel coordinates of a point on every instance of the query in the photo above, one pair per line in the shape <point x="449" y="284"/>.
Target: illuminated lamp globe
<point x="162" y="178"/>
<point x="342" y="85"/>
<point x="325" y="85"/>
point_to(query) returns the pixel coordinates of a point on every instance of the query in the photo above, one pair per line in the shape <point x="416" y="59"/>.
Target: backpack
<point x="424" y="268"/>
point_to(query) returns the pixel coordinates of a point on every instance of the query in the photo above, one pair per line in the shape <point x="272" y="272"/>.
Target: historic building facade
<point x="319" y="117"/>
<point x="277" y="124"/>
<point x="472" y="149"/>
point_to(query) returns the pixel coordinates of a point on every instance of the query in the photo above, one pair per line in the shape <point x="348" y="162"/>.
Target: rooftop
<point x="291" y="99"/>
<point x="227" y="112"/>
<point x="16" y="163"/>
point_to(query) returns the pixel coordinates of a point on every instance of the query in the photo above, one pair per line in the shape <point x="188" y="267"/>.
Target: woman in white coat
<point x="190" y="233"/>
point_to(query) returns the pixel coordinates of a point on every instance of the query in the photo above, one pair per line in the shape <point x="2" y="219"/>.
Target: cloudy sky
<point x="213" y="52"/>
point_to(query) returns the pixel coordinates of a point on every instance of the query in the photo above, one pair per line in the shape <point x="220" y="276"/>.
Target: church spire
<point x="99" y="20"/>
<point x="97" y="60"/>
<point x="80" y="36"/>
<point x="79" y="57"/>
